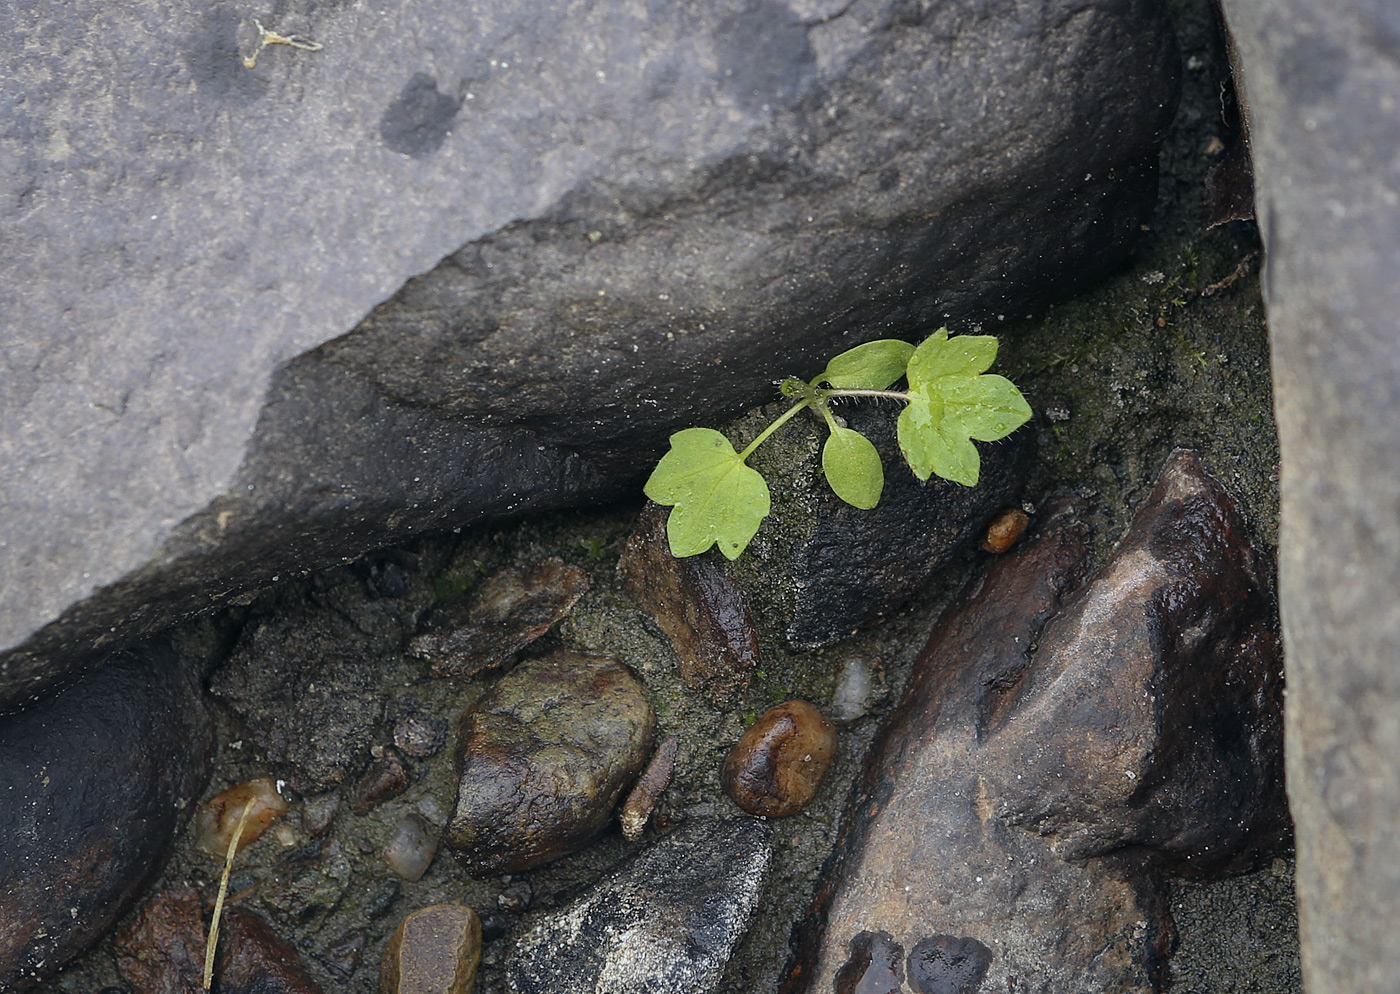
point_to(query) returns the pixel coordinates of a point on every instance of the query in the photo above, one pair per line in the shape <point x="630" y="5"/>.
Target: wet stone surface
<point x="698" y="607"/>
<point x="435" y="950"/>
<point x="543" y="759"/>
<point x="254" y="959"/>
<point x="776" y="767"/>
<point x="511" y="609"/>
<point x="664" y="923"/>
<point x="160" y="950"/>
<point x="1057" y="749"/>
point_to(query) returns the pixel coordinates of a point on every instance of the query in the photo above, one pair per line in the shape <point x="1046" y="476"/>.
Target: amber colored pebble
<point x="218" y="817"/>
<point x="1005" y="529"/>
<point x="435" y="950"/>
<point x="777" y="765"/>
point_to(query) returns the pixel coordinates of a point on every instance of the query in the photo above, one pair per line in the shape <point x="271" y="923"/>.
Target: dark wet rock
<point x="223" y="814"/>
<point x="95" y="783"/>
<point x="875" y="966"/>
<point x="308" y="891"/>
<point x="380" y="900"/>
<point x="641" y="800"/>
<point x="515" y="896"/>
<point x="419" y="734"/>
<point x="698" y="607"/>
<point x="511" y="609"/>
<point x="161" y="949"/>
<point x="830" y="567"/>
<point x="543" y="758"/>
<point x="305" y="684"/>
<point x="1320" y="91"/>
<point x="435" y="950"/>
<point x="1057" y="751"/>
<point x="777" y="765"/>
<point x="253" y="959"/>
<point x="410" y="851"/>
<point x="385" y="778"/>
<point x="665" y="923"/>
<point x="487" y="276"/>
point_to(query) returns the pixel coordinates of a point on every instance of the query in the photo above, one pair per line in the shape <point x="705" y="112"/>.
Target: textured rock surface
<point x="836" y="567"/>
<point x="1322" y="87"/>
<point x="95" y="782"/>
<point x="506" y="248"/>
<point x="702" y="612"/>
<point x="663" y="924"/>
<point x="543" y="758"/>
<point x="1018" y="806"/>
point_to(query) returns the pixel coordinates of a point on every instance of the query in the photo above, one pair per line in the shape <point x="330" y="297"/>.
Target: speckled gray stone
<point x="665" y="923"/>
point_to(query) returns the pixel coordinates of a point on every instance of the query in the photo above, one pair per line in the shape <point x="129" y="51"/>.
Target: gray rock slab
<point x="468" y="260"/>
<point x="665" y="923"/>
<point x="1322" y="88"/>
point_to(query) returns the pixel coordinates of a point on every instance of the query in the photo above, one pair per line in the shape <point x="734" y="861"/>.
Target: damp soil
<point x="1170" y="352"/>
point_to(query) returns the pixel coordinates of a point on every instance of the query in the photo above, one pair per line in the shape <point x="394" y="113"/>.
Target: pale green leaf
<point x="986" y="407"/>
<point x="931" y="448"/>
<point x="872" y="366"/>
<point x="938" y="356"/>
<point x="852" y="467"/>
<point x="715" y="497"/>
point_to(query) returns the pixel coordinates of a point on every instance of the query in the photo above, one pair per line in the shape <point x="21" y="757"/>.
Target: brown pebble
<point x="1005" y="529"/>
<point x="217" y="819"/>
<point x="318" y="812"/>
<point x="386" y="777"/>
<point x="654" y="779"/>
<point x="435" y="950"/>
<point x="777" y="765"/>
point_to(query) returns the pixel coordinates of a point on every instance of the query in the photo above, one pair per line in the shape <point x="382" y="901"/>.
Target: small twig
<point x="266" y="37"/>
<point x="213" y="942"/>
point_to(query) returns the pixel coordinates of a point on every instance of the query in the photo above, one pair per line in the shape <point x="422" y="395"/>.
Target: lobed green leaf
<point x="715" y="498"/>
<point x="938" y="356"/>
<point x="852" y="467"/>
<point x="872" y="366"/>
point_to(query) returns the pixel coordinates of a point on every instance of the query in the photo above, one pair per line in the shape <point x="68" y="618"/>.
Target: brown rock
<point x="510" y="609"/>
<point x="636" y="810"/>
<point x="161" y="949"/>
<point x="1047" y="764"/>
<point x="218" y="817"/>
<point x="386" y="777"/>
<point x="777" y="765"/>
<point x="543" y="758"/>
<point x="698" y="607"/>
<point x="435" y="950"/>
<point x="253" y="959"/>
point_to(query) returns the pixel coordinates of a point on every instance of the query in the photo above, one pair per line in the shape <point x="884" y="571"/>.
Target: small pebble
<point x="419" y="734"/>
<point x="411" y="850"/>
<point x="640" y="803"/>
<point x="256" y="960"/>
<point x="515" y="896"/>
<point x="777" y="765"/>
<point x="382" y="898"/>
<point x="386" y="777"/>
<point x="435" y="950"/>
<point x="317" y="813"/>
<point x="854" y="693"/>
<point x="217" y="819"/>
<point x="1005" y="529"/>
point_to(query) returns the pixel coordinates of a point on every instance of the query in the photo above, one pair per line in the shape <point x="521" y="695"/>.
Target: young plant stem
<point x="786" y="416"/>
<point x="887" y="394"/>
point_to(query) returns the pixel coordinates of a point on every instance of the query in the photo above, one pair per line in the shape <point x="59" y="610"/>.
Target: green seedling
<point x="716" y="498"/>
